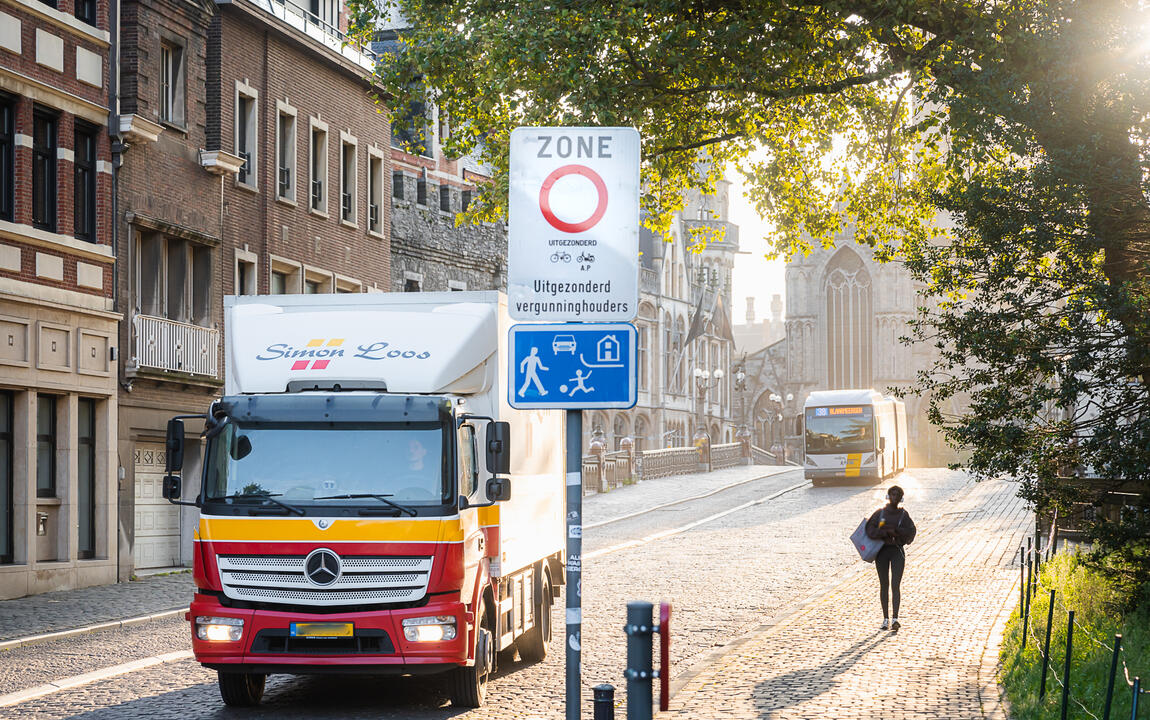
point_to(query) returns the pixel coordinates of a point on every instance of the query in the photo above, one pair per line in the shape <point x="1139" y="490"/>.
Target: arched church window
<point x="849" y="317"/>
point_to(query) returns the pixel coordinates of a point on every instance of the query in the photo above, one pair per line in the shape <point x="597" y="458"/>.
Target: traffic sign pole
<point x="573" y="641"/>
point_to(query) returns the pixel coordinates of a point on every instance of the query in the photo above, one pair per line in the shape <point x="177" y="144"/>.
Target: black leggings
<point x="889" y="562"/>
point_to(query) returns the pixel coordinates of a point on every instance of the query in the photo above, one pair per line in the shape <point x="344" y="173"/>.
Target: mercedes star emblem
<point x="322" y="567"/>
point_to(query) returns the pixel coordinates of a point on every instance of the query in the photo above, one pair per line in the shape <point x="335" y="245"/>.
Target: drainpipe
<point x="117" y="148"/>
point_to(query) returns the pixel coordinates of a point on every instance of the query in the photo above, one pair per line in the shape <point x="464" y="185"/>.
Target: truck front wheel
<point x="241" y="689"/>
<point x="467" y="686"/>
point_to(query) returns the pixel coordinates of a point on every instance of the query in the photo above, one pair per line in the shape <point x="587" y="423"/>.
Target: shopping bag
<point x="866" y="546"/>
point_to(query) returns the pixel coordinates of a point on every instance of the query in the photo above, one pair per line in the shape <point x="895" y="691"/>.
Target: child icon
<point x="578" y="380"/>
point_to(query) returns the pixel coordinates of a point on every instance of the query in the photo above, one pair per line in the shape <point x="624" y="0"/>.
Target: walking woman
<point x="892" y="525"/>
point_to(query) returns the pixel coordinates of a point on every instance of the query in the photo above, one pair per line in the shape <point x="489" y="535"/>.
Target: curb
<point x="128" y="622"/>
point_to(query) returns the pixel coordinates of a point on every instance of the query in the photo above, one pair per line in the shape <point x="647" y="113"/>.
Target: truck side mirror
<point x="499" y="489"/>
<point x="498" y="449"/>
<point x="172" y="488"/>
<point x="882" y="444"/>
<point x="175" y="446"/>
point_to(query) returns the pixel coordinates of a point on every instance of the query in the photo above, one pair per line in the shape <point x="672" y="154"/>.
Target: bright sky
<point x="754" y="275"/>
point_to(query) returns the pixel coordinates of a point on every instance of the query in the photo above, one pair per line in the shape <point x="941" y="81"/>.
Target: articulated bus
<point x="853" y="434"/>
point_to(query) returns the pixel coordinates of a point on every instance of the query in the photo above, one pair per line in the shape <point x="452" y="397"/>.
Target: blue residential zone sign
<point x="572" y="366"/>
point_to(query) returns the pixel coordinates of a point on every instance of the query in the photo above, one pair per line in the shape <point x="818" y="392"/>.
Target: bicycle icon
<point x="560" y="257"/>
<point x="585" y="258"/>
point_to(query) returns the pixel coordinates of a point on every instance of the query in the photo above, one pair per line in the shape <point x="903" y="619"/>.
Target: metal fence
<point x="163" y="344"/>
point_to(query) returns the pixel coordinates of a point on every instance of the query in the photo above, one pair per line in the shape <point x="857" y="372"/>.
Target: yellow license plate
<point x="322" y="630"/>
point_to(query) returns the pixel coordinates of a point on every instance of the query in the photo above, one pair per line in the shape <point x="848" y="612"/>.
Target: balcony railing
<point x="163" y="344"/>
<point x="317" y="29"/>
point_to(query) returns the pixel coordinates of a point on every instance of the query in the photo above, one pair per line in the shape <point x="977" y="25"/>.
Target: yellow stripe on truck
<point x="278" y="529"/>
<point x="854" y="464"/>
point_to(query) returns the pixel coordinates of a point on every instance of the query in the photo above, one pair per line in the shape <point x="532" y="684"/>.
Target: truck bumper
<point x="377" y="646"/>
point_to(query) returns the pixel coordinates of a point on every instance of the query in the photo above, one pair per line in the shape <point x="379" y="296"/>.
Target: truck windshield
<point x="306" y="464"/>
<point x="839" y="430"/>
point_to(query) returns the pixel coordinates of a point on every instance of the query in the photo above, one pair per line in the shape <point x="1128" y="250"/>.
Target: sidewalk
<point x="72" y="609"/>
<point x="830" y="660"/>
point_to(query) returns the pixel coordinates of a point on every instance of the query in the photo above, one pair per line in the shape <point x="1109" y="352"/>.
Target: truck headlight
<point x="219" y="629"/>
<point x="429" y="629"/>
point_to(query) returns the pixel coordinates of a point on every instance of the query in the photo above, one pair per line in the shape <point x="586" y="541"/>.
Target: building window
<point x="318" y="169"/>
<point x="374" y="194"/>
<point x="445" y="198"/>
<point x="6" y="497"/>
<point x="310" y="287"/>
<point x="44" y="171"/>
<point x="644" y="339"/>
<point x="246" y="138"/>
<point x="175" y="279"/>
<point x="172" y="84"/>
<point x="464" y="200"/>
<point x="7" y="158"/>
<point x="84" y="207"/>
<point x="849" y="320"/>
<point x="45" y="446"/>
<point x="86" y="11"/>
<point x="348" y="170"/>
<point x="412" y="282"/>
<point x="86" y="477"/>
<point x="397" y="185"/>
<point x="245" y="277"/>
<point x="49" y="3"/>
<point x="278" y="283"/>
<point x="285" y="156"/>
<point x="421" y="192"/>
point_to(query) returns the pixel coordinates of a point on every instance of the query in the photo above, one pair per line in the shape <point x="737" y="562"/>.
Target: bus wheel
<point x="467" y="686"/>
<point x="241" y="689"/>
<point x="533" y="644"/>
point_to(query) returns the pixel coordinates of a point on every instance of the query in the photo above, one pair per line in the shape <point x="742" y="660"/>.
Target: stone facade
<point x="58" y="405"/>
<point x="845" y="313"/>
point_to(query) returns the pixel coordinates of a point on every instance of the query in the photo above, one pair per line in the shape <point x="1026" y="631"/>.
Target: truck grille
<point x="362" y="580"/>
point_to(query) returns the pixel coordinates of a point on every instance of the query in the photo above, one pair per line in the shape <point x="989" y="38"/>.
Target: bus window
<point x="840" y="430"/>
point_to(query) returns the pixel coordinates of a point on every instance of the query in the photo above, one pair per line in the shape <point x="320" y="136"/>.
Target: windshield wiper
<point x="382" y="498"/>
<point x="270" y="497"/>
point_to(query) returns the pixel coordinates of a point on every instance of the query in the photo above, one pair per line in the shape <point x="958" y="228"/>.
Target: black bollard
<point x="1021" y="586"/>
<point x="1066" y="667"/>
<point x="1046" y="647"/>
<point x="640" y="656"/>
<point x="1113" y="671"/>
<point x="1134" y="702"/>
<point x="604" y="701"/>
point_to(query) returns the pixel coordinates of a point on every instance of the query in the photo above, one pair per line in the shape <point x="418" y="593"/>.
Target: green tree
<point x="1024" y="121"/>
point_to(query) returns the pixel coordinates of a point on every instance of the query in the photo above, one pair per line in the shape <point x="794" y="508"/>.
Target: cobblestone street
<point x="774" y="614"/>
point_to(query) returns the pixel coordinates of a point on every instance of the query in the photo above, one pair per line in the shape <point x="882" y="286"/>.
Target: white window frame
<point x="315" y="125"/>
<point x="351" y="193"/>
<point x="284" y="110"/>
<point x="375" y="178"/>
<point x="173" y="85"/>
<point x="457" y="285"/>
<point x="251" y="139"/>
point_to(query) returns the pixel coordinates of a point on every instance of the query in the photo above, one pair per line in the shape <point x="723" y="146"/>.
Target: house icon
<point x="607" y="349"/>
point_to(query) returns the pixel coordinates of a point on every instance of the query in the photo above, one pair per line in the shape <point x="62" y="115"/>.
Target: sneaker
<point x="885" y="624"/>
<point x="894" y="626"/>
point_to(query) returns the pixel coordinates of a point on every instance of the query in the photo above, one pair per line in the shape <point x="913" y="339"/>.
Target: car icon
<point x="563" y="343"/>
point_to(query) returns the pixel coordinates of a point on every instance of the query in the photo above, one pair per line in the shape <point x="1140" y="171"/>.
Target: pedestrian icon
<point x="530" y="368"/>
<point x="572" y="366"/>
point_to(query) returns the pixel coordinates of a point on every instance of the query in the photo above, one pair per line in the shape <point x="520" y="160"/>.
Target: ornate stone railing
<point x="668" y="461"/>
<point x="726" y="455"/>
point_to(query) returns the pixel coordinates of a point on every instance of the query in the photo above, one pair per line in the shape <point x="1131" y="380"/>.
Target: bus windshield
<point x="308" y="465"/>
<point x="840" y="430"/>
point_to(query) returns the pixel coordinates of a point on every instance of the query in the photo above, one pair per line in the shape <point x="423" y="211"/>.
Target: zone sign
<point x="573" y="224"/>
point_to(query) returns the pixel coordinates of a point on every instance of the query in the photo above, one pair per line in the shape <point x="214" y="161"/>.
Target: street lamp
<point x="778" y="444"/>
<point x="704" y="381"/>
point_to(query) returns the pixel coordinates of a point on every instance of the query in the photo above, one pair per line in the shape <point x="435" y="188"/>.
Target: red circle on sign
<point x="545" y="198"/>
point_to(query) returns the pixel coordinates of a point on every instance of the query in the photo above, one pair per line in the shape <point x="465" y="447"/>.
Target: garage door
<point x="157" y="521"/>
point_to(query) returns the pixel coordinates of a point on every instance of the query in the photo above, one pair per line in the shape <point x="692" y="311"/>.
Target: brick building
<point x="58" y="405"/>
<point x="257" y="163"/>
